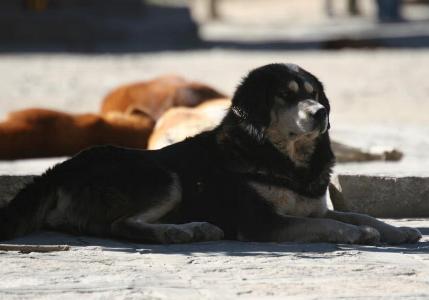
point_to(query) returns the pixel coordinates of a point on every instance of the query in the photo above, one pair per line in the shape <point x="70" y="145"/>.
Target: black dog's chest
<point x="210" y="187"/>
<point x="284" y="201"/>
<point x="211" y="196"/>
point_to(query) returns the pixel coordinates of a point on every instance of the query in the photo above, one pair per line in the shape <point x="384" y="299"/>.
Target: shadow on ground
<point x="229" y="248"/>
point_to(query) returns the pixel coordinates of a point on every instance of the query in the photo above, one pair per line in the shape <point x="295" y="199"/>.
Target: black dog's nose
<point x="320" y="114"/>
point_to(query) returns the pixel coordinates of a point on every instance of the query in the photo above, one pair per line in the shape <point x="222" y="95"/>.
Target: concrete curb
<point x="379" y="196"/>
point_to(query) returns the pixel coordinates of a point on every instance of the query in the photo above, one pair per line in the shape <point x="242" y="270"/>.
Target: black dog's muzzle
<point x="321" y="119"/>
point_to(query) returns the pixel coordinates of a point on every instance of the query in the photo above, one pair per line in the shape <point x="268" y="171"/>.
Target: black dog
<point x="261" y="175"/>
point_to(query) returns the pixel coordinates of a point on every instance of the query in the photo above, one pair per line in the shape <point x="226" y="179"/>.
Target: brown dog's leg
<point x="131" y="229"/>
<point x="388" y="234"/>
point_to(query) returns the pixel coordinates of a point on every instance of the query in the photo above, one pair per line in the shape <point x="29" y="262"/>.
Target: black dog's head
<point x="285" y="94"/>
<point x="282" y="103"/>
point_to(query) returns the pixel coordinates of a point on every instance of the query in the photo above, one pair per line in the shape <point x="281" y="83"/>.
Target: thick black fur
<point x="107" y="183"/>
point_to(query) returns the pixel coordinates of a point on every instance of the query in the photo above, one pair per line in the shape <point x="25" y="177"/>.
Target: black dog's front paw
<point x="191" y="232"/>
<point x="175" y="234"/>
<point x="401" y="235"/>
<point x="350" y="234"/>
<point x="412" y="235"/>
<point x="368" y="236"/>
<point x="203" y="231"/>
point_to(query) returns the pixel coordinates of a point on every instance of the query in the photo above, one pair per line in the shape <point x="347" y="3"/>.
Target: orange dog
<point x="154" y="97"/>
<point x="46" y="133"/>
<point x="127" y="119"/>
<point x="181" y="122"/>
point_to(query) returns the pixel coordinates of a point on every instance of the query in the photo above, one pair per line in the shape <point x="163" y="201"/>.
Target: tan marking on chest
<point x="298" y="150"/>
<point x="287" y="202"/>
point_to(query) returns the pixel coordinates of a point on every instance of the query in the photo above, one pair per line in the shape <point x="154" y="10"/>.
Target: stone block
<point x="384" y="197"/>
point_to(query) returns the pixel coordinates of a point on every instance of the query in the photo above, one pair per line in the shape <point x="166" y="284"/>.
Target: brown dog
<point x="180" y="122"/>
<point x="128" y="117"/>
<point x="46" y="133"/>
<point x="154" y="97"/>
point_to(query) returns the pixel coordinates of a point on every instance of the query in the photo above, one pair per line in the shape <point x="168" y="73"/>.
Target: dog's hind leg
<point x="388" y="234"/>
<point x="139" y="231"/>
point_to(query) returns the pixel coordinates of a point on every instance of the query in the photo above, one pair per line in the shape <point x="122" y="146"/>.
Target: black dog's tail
<point x="26" y="212"/>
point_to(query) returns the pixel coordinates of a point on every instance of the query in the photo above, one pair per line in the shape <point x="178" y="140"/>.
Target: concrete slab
<point x="379" y="196"/>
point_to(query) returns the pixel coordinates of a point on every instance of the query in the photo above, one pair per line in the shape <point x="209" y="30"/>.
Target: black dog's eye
<point x="281" y="97"/>
<point x="280" y="100"/>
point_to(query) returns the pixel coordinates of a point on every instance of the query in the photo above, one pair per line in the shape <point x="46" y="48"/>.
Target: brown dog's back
<point x="154" y="97"/>
<point x="181" y="122"/>
<point x="45" y="133"/>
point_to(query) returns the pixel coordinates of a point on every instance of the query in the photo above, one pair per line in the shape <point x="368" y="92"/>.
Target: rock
<point x="385" y="197"/>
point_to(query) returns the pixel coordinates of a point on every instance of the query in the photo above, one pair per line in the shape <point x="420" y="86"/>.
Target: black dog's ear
<point x="252" y="99"/>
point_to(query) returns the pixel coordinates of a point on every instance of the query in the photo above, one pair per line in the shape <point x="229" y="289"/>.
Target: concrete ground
<point x="378" y="98"/>
<point x="104" y="269"/>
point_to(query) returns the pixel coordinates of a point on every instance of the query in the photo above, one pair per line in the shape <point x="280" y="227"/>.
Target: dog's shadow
<point x="229" y="248"/>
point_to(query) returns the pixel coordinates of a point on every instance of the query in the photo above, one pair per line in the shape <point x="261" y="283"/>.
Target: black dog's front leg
<point x="388" y="234"/>
<point x="310" y="230"/>
<point x="135" y="230"/>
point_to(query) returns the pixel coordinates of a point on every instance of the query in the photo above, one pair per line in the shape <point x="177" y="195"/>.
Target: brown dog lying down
<point x="46" y="133"/>
<point x="127" y="119"/>
<point x="178" y="123"/>
<point x="156" y="96"/>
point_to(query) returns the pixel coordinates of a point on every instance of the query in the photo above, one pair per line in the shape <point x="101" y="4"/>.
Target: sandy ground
<point x="103" y="269"/>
